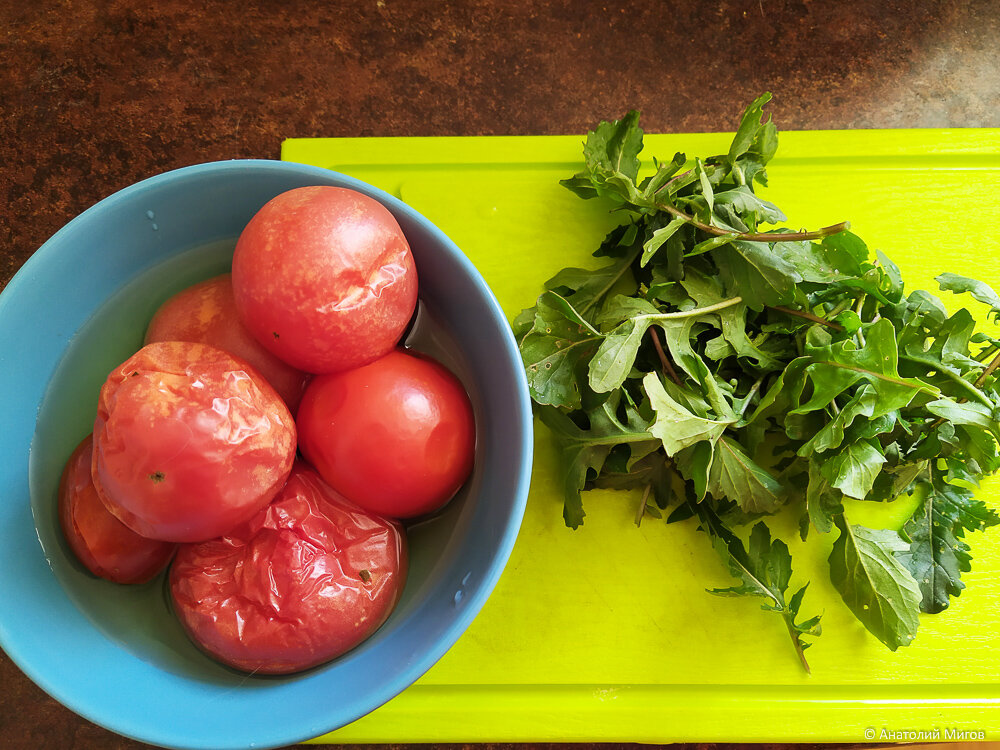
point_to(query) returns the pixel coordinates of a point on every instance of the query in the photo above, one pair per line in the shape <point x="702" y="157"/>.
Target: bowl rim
<point x="38" y="264"/>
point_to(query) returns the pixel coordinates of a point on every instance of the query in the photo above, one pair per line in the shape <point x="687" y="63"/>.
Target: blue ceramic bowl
<point x="114" y="654"/>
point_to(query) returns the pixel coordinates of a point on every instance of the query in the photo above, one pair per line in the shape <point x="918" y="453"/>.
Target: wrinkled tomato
<point x="396" y="436"/>
<point x="324" y="278"/>
<point x="189" y="441"/>
<point x="105" y="546"/>
<point x="205" y="313"/>
<point x="305" y="580"/>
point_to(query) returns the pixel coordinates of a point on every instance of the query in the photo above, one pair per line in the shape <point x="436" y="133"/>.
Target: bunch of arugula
<point x="730" y="373"/>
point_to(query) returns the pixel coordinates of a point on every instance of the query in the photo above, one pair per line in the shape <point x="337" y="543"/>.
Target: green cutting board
<point x="607" y="633"/>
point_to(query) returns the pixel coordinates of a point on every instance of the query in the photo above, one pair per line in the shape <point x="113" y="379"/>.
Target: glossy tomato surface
<point x="324" y="278"/>
<point x="107" y="548"/>
<point x="307" y="579"/>
<point x="205" y="313"/>
<point x="396" y="436"/>
<point x="189" y="442"/>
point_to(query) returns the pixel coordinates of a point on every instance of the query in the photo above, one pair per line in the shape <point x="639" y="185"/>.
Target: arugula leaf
<point x="585" y="449"/>
<point x="658" y="237"/>
<point x="980" y="291"/>
<point x="937" y="554"/>
<point x="585" y="290"/>
<point x="761" y="277"/>
<point x="611" y="153"/>
<point x="823" y="502"/>
<point x="853" y="469"/>
<point x="614" y="359"/>
<point x="754" y="138"/>
<point x="613" y="148"/>
<point x="838" y="365"/>
<point x="876" y="587"/>
<point x="554" y="350"/>
<point x="862" y="405"/>
<point x="736" y="476"/>
<point x="675" y="425"/>
<point x="764" y="569"/>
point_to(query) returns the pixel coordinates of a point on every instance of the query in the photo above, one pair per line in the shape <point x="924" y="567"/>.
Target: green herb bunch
<point x="729" y="372"/>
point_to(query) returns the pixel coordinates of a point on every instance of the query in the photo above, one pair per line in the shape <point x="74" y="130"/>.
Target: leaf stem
<point x="972" y="390"/>
<point x="990" y="369"/>
<point x="668" y="368"/>
<point x="787" y="617"/>
<point x="808" y="316"/>
<point x="694" y="313"/>
<point x="755" y="236"/>
<point x="988" y="351"/>
<point x="642" y="505"/>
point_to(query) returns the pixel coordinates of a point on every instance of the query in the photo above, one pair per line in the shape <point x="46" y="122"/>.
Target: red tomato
<point x="323" y="277"/>
<point x="188" y="442"/>
<point x="396" y="437"/>
<point x="305" y="580"/>
<point x="206" y="314"/>
<point x="108" y="548"/>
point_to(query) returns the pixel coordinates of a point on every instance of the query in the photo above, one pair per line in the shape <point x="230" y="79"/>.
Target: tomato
<point x="206" y="314"/>
<point x="105" y="546"/>
<point x="305" y="580"/>
<point x="324" y="278"/>
<point x="396" y="436"/>
<point x="189" y="441"/>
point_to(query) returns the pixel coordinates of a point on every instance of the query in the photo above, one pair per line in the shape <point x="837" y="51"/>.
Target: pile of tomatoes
<point x="270" y="437"/>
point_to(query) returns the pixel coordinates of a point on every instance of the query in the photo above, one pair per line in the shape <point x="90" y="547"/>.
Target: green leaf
<point x="748" y="134"/>
<point x="862" y="405"/>
<point x="754" y="272"/>
<point x="613" y="148"/>
<point x="555" y="351"/>
<point x="737" y="477"/>
<point x="876" y="587"/>
<point x="651" y="471"/>
<point x="815" y="262"/>
<point x="894" y="288"/>
<point x="966" y="413"/>
<point x="658" y="237"/>
<point x="675" y="425"/>
<point x="664" y="172"/>
<point x="853" y="469"/>
<point x="846" y="251"/>
<point x="951" y="282"/>
<point x="764" y="569"/>
<point x="823" y="502"/>
<point x="836" y="366"/>
<point x="707" y="193"/>
<point x="741" y="205"/>
<point x="586" y="289"/>
<point x="937" y="555"/>
<point x="585" y="449"/>
<point x="613" y="361"/>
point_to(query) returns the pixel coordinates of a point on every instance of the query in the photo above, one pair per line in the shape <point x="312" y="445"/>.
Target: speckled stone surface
<point x="97" y="94"/>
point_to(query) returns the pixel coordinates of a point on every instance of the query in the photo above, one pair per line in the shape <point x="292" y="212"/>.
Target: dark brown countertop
<point x="97" y="95"/>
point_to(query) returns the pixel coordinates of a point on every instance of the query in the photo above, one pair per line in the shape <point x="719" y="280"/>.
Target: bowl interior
<point x="114" y="653"/>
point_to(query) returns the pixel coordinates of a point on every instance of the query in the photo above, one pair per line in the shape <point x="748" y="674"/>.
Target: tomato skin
<point x="205" y="313"/>
<point x="304" y="581"/>
<point x="396" y="436"/>
<point x="107" y="548"/>
<point x="188" y="442"/>
<point x="324" y="278"/>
